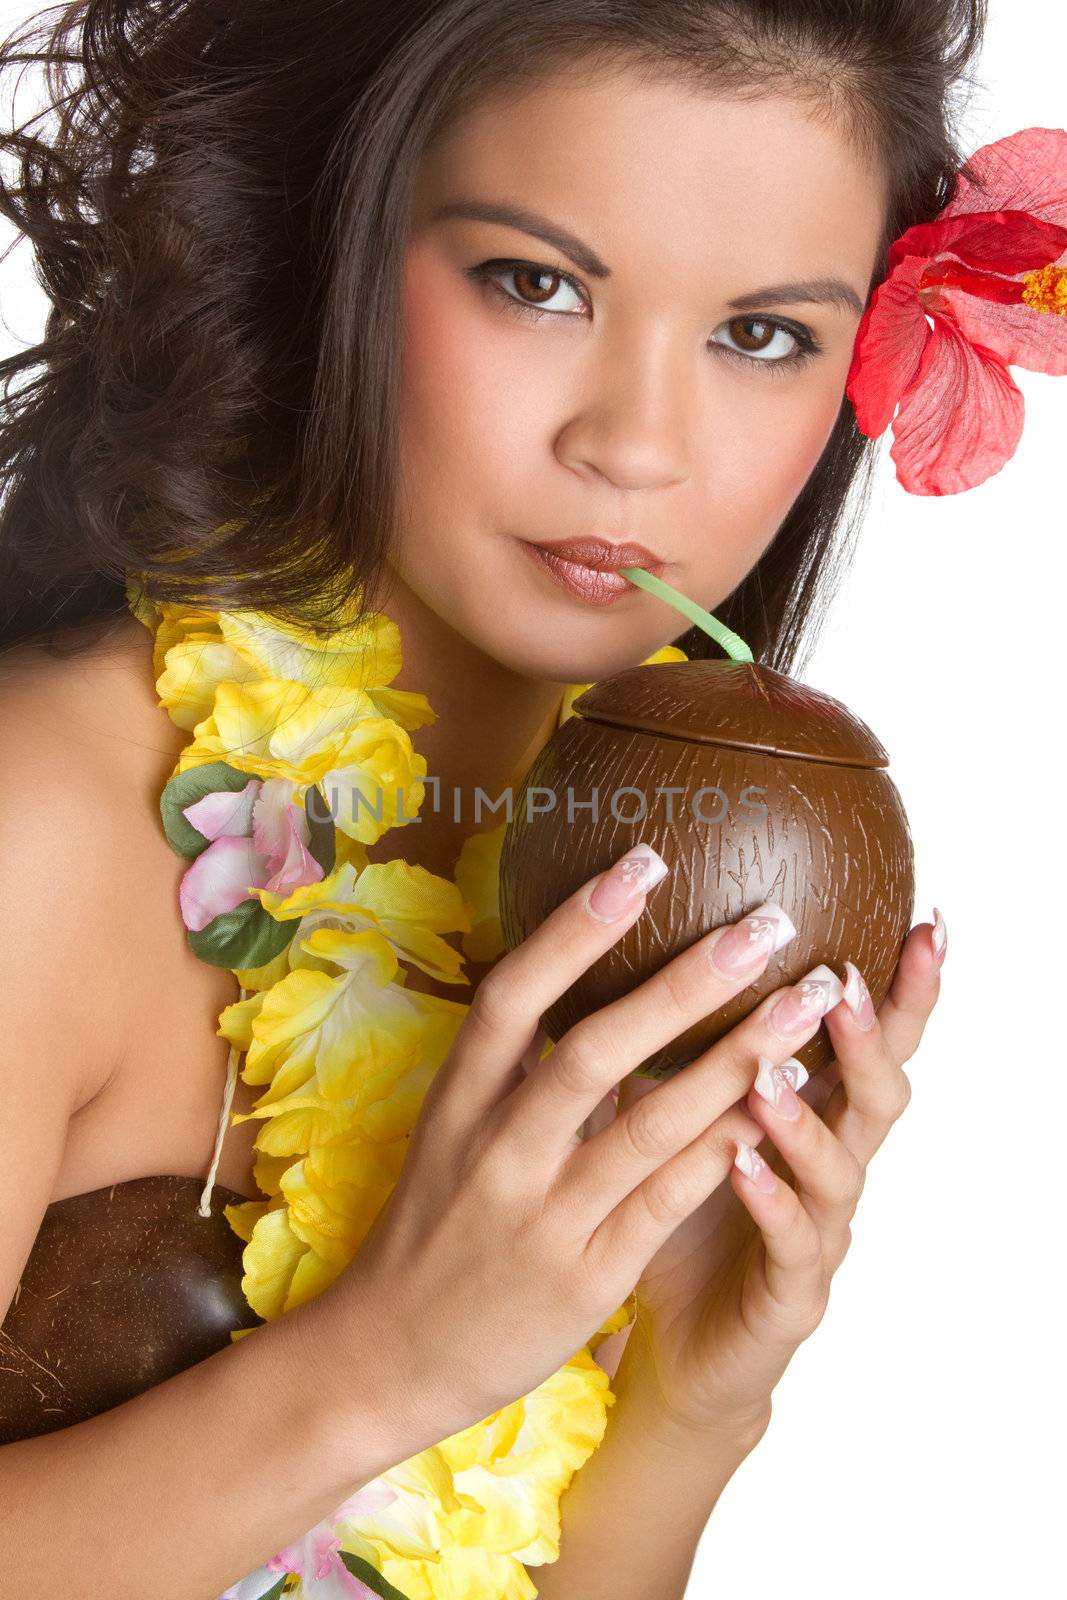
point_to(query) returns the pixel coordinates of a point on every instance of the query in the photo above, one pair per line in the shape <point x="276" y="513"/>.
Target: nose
<point x="634" y="421"/>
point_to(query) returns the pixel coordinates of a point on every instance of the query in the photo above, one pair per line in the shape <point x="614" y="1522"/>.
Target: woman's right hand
<point x="502" y="1247"/>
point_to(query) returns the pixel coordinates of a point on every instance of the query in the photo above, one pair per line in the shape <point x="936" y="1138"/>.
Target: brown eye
<point x="766" y="332"/>
<point x="524" y="276"/>
<point x="752" y="339"/>
<point x="527" y="287"/>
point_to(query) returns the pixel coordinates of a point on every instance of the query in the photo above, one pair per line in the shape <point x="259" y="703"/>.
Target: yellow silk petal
<point x="270" y="1259"/>
<point x="236" y="1020"/>
<point x="297" y="1124"/>
<point x="404" y="706"/>
<point x="288" y="1015"/>
<point x="323" y="726"/>
<point x="268" y="1170"/>
<point x="273" y="728"/>
<point x="176" y="625"/>
<point x="374" y="782"/>
<point x="333" y="1219"/>
<point x="358" y="656"/>
<point x="407" y="905"/>
<point x="311" y="1276"/>
<point x="243" y="1218"/>
<point x="477" y="873"/>
<point x="193" y="670"/>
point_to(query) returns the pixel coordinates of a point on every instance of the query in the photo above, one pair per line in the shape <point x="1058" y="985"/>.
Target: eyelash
<point x="488" y="271"/>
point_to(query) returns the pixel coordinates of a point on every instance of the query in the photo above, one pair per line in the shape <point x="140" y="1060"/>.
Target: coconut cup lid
<point x="741" y="704"/>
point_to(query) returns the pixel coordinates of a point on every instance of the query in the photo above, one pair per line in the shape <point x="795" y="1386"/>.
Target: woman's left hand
<point x="725" y="1302"/>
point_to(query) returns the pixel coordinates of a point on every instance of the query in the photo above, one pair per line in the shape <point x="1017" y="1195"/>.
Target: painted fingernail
<point x="626" y="881"/>
<point x="753" y="1166"/>
<point x="796" y="1072"/>
<point x="750" y="943"/>
<point x="806" y="1002"/>
<point x="858" y="997"/>
<point x="939" y="937"/>
<point x="774" y="1087"/>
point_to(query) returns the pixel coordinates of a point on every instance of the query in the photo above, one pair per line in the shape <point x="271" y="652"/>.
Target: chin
<point x="525" y="631"/>
<point x="560" y="656"/>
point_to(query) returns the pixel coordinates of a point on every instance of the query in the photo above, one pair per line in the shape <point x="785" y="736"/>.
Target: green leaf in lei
<point x="185" y="789"/>
<point x="247" y="936"/>
<point x="370" y="1576"/>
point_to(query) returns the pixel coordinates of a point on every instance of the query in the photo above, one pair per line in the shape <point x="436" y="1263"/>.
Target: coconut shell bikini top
<point x="124" y="1287"/>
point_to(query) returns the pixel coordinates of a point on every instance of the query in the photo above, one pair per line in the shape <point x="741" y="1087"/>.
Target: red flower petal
<point x="984" y="285"/>
<point x="959" y="420"/>
<point x="888" y="347"/>
<point x="1027" y="171"/>
<point x="999" y="241"/>
<point x="1019" y="334"/>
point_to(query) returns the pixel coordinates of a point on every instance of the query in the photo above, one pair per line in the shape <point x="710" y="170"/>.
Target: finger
<point x="905" y="1011"/>
<point x="610" y="1043"/>
<point x="686" y="1108"/>
<point x="634" y="1231"/>
<point x="601" y="1116"/>
<point x="735" y="1123"/>
<point x="827" y="1177"/>
<point x="537" y="1047"/>
<point x="534" y="1050"/>
<point x="788" y="1304"/>
<point x="632" y="1089"/>
<point x="502" y="1022"/>
<point x="901" y="1036"/>
<point x="874" y="1090"/>
<point x="816" y="1090"/>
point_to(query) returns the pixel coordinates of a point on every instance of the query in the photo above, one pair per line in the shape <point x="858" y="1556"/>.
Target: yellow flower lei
<point x="345" y="1054"/>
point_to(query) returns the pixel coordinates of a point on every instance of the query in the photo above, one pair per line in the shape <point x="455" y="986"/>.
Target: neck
<point x="491" y="724"/>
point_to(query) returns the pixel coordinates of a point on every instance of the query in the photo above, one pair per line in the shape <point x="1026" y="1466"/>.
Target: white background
<point x="917" y="1438"/>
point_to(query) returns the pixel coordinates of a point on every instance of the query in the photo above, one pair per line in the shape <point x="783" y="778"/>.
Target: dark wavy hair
<point x="218" y="215"/>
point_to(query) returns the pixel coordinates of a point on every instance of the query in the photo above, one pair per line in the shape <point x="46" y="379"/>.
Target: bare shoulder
<point x="94" y="693"/>
<point x="84" y="752"/>
<point x="79" y="745"/>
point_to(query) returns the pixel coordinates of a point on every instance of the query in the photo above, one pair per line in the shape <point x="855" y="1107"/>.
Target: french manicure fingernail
<point x="753" y="1166"/>
<point x="939" y="937"/>
<point x="773" y="1086"/>
<point x="751" y="942"/>
<point x="857" y="997"/>
<point x="796" y="1072"/>
<point x="815" y="994"/>
<point x="626" y="881"/>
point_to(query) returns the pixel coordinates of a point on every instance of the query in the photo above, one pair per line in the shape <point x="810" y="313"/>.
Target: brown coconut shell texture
<point x="833" y="847"/>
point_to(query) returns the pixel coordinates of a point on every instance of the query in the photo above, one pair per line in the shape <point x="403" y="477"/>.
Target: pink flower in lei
<point x="316" y="1558"/>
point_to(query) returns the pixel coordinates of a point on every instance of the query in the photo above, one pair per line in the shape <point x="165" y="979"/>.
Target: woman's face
<point x="610" y="387"/>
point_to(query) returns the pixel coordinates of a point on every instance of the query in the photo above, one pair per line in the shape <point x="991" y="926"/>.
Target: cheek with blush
<point x="753" y="491"/>
<point x="785" y="469"/>
<point x="437" y="364"/>
<point x="468" y="408"/>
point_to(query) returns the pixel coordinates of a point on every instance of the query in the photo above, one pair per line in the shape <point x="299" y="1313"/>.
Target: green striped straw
<point x="732" y="643"/>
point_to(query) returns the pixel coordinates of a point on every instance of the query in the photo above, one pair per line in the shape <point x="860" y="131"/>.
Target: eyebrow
<point x="813" y="291"/>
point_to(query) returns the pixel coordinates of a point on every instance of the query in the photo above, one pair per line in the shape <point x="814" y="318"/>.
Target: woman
<point x="380" y="303"/>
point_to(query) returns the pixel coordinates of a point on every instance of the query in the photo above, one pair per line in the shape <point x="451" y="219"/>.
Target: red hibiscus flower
<point x="966" y="295"/>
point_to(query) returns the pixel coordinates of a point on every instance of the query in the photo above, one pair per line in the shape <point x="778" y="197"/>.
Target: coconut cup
<point x="752" y="787"/>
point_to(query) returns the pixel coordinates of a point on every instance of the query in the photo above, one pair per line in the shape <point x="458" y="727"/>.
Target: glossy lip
<point x="600" y="554"/>
<point x="597" y="586"/>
